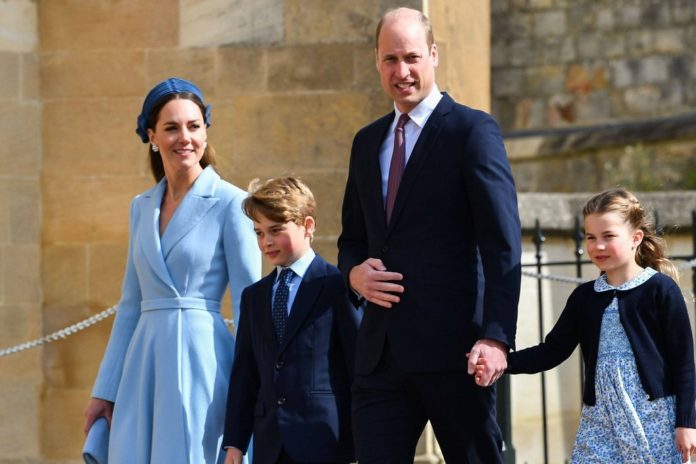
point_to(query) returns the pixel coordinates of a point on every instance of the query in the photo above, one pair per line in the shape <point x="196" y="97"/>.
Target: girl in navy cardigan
<point x="633" y="329"/>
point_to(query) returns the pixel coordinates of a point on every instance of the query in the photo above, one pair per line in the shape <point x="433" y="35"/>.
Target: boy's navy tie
<point x="280" y="303"/>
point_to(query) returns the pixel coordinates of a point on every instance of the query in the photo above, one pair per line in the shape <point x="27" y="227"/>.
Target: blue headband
<point x="171" y="86"/>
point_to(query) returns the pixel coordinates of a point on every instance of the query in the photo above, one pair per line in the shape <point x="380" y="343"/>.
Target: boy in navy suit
<point x="294" y="355"/>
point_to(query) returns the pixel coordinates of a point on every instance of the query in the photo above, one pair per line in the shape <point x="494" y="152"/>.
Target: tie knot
<point x="403" y="119"/>
<point x="285" y="275"/>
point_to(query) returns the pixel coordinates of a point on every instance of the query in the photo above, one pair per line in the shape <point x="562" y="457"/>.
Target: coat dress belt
<point x="180" y="303"/>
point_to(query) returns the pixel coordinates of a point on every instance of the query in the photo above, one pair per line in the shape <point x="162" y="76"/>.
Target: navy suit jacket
<point x="454" y="235"/>
<point x="297" y="394"/>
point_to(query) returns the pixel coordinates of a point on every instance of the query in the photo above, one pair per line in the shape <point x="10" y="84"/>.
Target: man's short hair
<point x="425" y="22"/>
<point x="280" y="199"/>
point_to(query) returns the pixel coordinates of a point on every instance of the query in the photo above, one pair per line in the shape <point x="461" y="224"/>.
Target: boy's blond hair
<point x="280" y="199"/>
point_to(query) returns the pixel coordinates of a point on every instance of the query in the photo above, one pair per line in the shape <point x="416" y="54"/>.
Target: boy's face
<point x="283" y="243"/>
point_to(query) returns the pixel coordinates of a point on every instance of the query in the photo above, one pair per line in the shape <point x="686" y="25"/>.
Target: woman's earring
<point x="155" y="148"/>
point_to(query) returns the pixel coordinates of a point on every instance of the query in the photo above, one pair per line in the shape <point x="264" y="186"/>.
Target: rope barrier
<point x="90" y="321"/>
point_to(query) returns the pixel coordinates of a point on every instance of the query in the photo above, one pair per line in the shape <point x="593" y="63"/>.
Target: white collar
<point x="300" y="266"/>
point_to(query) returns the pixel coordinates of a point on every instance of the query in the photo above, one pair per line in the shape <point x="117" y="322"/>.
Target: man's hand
<point x="492" y="366"/>
<point x="372" y="281"/>
<point x="234" y="456"/>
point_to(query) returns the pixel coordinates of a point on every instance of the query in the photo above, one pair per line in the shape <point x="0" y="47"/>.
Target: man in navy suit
<point x="431" y="247"/>
<point x="294" y="355"/>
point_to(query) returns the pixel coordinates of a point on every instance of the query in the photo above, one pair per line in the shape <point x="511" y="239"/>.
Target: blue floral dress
<point x="623" y="426"/>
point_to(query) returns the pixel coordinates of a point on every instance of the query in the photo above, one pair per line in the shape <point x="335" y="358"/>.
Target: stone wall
<point x="20" y="230"/>
<point x="290" y="81"/>
<point x="570" y="62"/>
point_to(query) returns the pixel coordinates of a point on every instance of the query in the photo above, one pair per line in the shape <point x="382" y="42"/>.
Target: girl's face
<point x="612" y="245"/>
<point x="181" y="135"/>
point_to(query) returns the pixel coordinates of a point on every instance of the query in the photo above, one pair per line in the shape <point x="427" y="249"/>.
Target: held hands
<point x="234" y="456"/>
<point x="487" y="361"/>
<point x="95" y="409"/>
<point x="372" y="281"/>
<point x="686" y="442"/>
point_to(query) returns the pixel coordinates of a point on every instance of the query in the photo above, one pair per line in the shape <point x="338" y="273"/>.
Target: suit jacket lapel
<point x="307" y="294"/>
<point x="151" y="245"/>
<point x="199" y="199"/>
<point x="420" y="153"/>
<point x="374" y="171"/>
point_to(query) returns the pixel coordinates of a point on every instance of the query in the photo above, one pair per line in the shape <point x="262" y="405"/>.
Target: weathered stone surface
<point x="313" y="67"/>
<point x="106" y="263"/>
<point x="18" y="25"/>
<point x="549" y="23"/>
<point x="194" y="64"/>
<point x="297" y="132"/>
<point x="108" y="24"/>
<point x="20" y="150"/>
<point x="65" y="407"/>
<point x="241" y="70"/>
<point x="206" y="23"/>
<point x="108" y="145"/>
<point x="19" y="436"/>
<point x="23" y="199"/>
<point x="30" y="76"/>
<point x="9" y="75"/>
<point x="319" y="21"/>
<point x="20" y="274"/>
<point x="64" y="274"/>
<point x="103" y="73"/>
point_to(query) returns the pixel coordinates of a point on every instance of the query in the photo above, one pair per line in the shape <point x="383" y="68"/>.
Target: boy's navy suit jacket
<point x="295" y="395"/>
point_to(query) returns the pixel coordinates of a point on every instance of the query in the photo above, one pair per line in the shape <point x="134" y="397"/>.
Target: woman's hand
<point x="95" y="409"/>
<point x="686" y="442"/>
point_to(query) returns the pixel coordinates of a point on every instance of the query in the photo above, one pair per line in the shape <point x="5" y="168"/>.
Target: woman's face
<point x="180" y="134"/>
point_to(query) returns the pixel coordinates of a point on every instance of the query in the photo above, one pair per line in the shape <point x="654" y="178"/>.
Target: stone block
<point x="642" y="100"/>
<point x="5" y="187"/>
<point x="310" y="68"/>
<point x="546" y="80"/>
<point x="30" y="76"/>
<point x="74" y="361"/>
<point x="64" y="274"/>
<point x="62" y="421"/>
<point x="241" y="70"/>
<point x="24" y="204"/>
<point x="79" y="25"/>
<point x="325" y="246"/>
<point x="614" y="46"/>
<point x="628" y="15"/>
<point x="589" y="46"/>
<point x="291" y="133"/>
<point x="508" y="83"/>
<point x="623" y="72"/>
<point x="19" y="430"/>
<point x="20" y="150"/>
<point x="105" y="268"/>
<point x="111" y="198"/>
<point x="499" y="53"/>
<point x="592" y="107"/>
<point x="9" y="75"/>
<point x="18" y="23"/>
<point x="20" y="274"/>
<point x="514" y="26"/>
<point x="639" y="42"/>
<point x="103" y="73"/>
<point x="605" y="19"/>
<point x="194" y="64"/>
<point x="669" y="41"/>
<point x="656" y="14"/>
<point x="521" y="52"/>
<point x="653" y="70"/>
<point x="366" y="77"/>
<point x="683" y="11"/>
<point x="20" y="323"/>
<point x="549" y="23"/>
<point x="319" y="21"/>
<point x="205" y="23"/>
<point x="67" y="211"/>
<point x="103" y="140"/>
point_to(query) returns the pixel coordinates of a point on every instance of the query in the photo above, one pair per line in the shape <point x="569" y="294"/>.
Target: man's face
<point x="405" y="62"/>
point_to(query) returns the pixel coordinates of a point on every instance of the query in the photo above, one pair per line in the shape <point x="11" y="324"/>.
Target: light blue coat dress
<point x="168" y="360"/>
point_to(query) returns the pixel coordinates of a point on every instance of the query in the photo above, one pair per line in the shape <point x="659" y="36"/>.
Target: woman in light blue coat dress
<point x="162" y="383"/>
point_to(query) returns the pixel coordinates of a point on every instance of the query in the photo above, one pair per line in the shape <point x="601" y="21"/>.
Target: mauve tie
<point x="397" y="165"/>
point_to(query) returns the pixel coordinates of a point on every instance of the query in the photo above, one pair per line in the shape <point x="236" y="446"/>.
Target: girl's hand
<point x="234" y="456"/>
<point x="686" y="442"/>
<point x="95" y="409"/>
